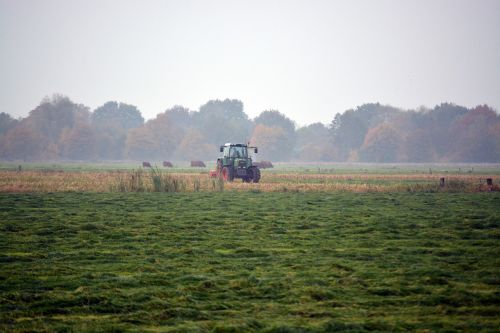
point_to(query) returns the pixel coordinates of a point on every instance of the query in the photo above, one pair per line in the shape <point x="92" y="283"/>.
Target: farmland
<point x="284" y="178"/>
<point x="305" y="251"/>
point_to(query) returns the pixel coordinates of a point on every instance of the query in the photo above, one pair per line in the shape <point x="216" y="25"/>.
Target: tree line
<point x="60" y="129"/>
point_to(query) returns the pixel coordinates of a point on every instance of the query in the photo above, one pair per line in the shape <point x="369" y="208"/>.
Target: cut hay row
<point x="353" y="177"/>
<point x="151" y="181"/>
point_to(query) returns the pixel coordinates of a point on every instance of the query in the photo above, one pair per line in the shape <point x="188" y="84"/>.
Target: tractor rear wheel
<point x="255" y="172"/>
<point x="227" y="174"/>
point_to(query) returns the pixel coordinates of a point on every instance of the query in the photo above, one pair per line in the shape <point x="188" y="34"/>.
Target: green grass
<point x="287" y="167"/>
<point x="99" y="166"/>
<point x="232" y="262"/>
<point x="388" y="168"/>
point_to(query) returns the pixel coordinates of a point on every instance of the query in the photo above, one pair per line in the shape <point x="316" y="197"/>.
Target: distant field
<point x="283" y="178"/>
<point x="321" y="168"/>
<point x="250" y="261"/>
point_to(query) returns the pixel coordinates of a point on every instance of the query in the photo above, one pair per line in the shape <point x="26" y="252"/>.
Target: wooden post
<point x="441" y="181"/>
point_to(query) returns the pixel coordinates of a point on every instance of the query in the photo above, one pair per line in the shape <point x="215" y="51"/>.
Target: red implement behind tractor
<point x="235" y="163"/>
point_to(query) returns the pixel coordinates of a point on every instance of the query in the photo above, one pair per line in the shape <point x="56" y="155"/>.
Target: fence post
<point x="441" y="181"/>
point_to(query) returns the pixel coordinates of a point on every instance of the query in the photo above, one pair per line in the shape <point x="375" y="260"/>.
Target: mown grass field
<point x="250" y="261"/>
<point x="325" y="177"/>
<point x="286" y="167"/>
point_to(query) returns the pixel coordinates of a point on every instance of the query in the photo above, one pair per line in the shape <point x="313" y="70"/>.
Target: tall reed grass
<point x="152" y="181"/>
<point x="157" y="180"/>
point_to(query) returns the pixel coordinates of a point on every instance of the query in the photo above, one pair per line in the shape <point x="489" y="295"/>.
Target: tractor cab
<point x="233" y="151"/>
<point x="235" y="163"/>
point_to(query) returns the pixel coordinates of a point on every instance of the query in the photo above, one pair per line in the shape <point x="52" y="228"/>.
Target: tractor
<point x="235" y="163"/>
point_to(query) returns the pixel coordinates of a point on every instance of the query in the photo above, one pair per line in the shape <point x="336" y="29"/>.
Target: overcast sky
<point x="307" y="59"/>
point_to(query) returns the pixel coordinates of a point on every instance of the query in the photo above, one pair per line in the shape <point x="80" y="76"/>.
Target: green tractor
<point x="235" y="163"/>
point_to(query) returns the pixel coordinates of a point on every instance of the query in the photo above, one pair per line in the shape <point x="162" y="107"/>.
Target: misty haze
<point x="278" y="166"/>
<point x="61" y="130"/>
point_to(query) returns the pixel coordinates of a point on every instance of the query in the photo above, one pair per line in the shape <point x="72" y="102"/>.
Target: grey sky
<point x="308" y="59"/>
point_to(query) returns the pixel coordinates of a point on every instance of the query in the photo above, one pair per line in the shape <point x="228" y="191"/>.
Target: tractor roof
<point x="234" y="144"/>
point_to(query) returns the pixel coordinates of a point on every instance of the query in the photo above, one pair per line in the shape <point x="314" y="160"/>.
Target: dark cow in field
<point x="264" y="164"/>
<point x="267" y="164"/>
<point x="198" y="164"/>
<point x="146" y="165"/>
<point x="167" y="164"/>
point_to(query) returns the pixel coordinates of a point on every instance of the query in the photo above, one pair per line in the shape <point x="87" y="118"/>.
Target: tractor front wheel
<point x="227" y="174"/>
<point x="254" y="175"/>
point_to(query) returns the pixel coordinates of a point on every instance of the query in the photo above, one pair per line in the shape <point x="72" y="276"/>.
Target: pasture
<point x="327" y="177"/>
<point x="305" y="251"/>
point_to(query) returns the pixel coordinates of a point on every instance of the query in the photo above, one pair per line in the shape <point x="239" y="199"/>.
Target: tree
<point x="270" y="126"/>
<point x="166" y="134"/>
<point x="274" y="118"/>
<point x="438" y="122"/>
<point x="23" y="143"/>
<point x="313" y="144"/>
<point x="473" y="136"/>
<point x="180" y="116"/>
<point x="348" y="130"/>
<point x="55" y="114"/>
<point x="222" y="121"/>
<point x="78" y="143"/>
<point x="37" y="137"/>
<point x="60" y="128"/>
<point x="141" y="144"/>
<point x="111" y="122"/>
<point x="117" y="115"/>
<point x="194" y="146"/>
<point x="6" y="122"/>
<point x="159" y="137"/>
<point x="108" y="144"/>
<point x="417" y="147"/>
<point x="273" y="143"/>
<point x="381" y="144"/>
<point x="494" y="132"/>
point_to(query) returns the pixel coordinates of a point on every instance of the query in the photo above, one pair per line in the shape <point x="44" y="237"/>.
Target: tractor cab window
<point x="226" y="151"/>
<point x="238" y="152"/>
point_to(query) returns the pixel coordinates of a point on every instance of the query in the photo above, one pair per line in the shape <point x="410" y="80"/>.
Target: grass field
<point x="250" y="261"/>
<point x="284" y="178"/>
<point x="289" y="167"/>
